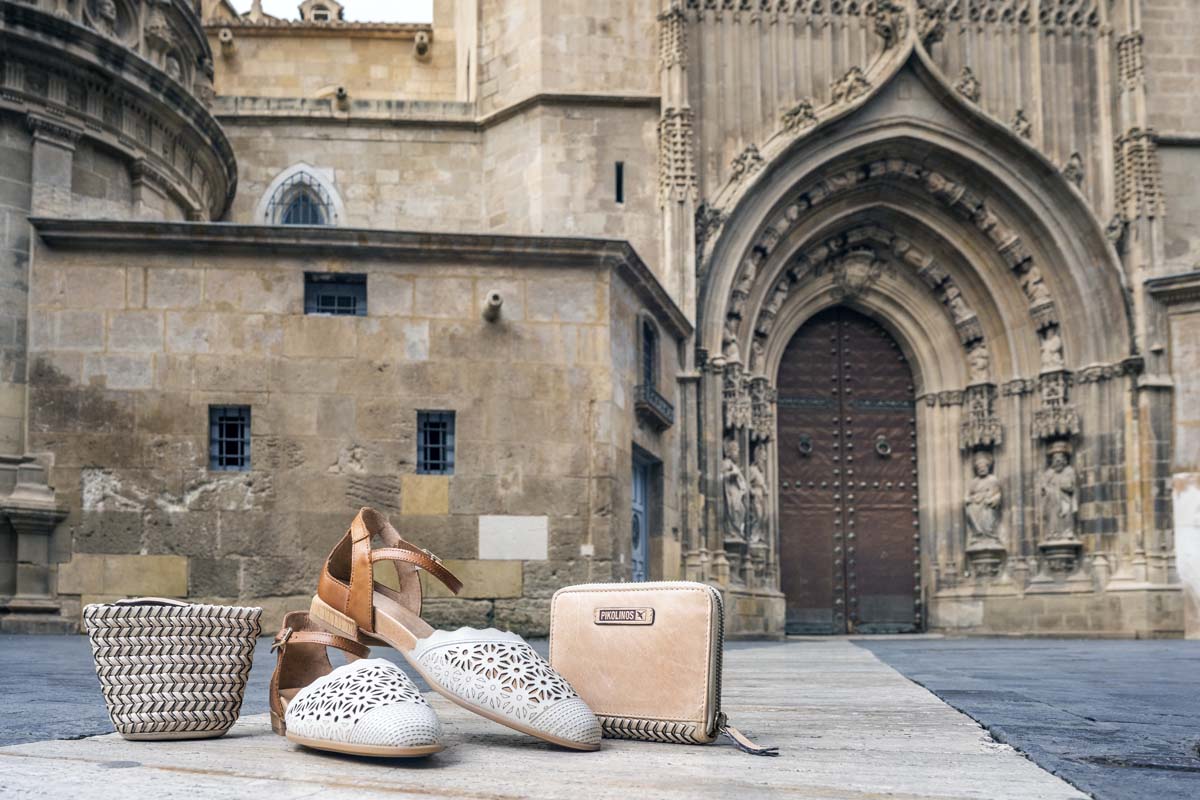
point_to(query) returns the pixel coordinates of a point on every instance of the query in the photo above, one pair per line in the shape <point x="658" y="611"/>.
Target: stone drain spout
<point x="491" y="306"/>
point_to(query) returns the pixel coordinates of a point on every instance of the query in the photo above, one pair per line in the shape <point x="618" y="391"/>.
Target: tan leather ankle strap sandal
<point x="366" y="707"/>
<point x="493" y="673"/>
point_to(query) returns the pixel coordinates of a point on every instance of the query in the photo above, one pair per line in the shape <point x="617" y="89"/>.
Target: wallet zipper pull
<point x="741" y="741"/>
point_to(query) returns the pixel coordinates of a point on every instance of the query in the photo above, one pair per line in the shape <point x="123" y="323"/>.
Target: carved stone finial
<point x="802" y="115"/>
<point x="968" y="85"/>
<point x="1021" y="125"/>
<point x="1073" y="169"/>
<point x="854" y="84"/>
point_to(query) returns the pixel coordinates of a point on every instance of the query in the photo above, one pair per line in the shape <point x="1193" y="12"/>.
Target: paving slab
<point x="848" y="727"/>
<point x="1119" y="719"/>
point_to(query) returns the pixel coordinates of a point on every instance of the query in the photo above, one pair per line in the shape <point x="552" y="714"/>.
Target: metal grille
<point x="335" y="293"/>
<point x="229" y="438"/>
<point x="435" y="442"/>
<point x="300" y="200"/>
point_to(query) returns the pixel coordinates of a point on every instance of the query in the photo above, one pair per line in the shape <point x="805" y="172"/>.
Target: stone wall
<point x="372" y="62"/>
<point x="1171" y="29"/>
<point x="399" y="178"/>
<point x="130" y="349"/>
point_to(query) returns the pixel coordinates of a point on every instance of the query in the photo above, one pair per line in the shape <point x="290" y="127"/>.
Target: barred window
<point x="229" y="438"/>
<point x="300" y="200"/>
<point x="435" y="442"/>
<point x="335" y="293"/>
<point x="649" y="354"/>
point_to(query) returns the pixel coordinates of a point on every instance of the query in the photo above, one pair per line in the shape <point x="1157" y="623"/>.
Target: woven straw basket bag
<point x="172" y="670"/>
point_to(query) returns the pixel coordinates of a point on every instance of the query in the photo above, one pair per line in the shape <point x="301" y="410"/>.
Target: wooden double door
<point x="848" y="527"/>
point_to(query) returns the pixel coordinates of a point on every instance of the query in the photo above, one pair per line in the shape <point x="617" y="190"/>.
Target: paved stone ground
<point x="1119" y="719"/>
<point x="848" y="727"/>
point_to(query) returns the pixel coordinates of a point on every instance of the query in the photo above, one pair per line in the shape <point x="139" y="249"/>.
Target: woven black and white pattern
<point x="170" y="669"/>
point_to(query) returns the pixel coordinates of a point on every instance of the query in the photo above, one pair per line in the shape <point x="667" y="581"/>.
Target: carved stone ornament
<point x="762" y="409"/>
<point x="1073" y="169"/>
<point x="672" y="37"/>
<point x="854" y="84"/>
<point x="1056" y="418"/>
<point x="739" y="410"/>
<point x="891" y="21"/>
<point x="856" y="273"/>
<point x="1021" y="125"/>
<point x="968" y="85"/>
<point x="931" y="21"/>
<point x="800" y="116"/>
<point x="676" y="163"/>
<point x="747" y="163"/>
<point x="980" y="428"/>
<point x="708" y="219"/>
<point x="1052" y="350"/>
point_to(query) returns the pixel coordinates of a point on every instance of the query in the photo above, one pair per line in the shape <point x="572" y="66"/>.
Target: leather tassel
<point x="745" y="745"/>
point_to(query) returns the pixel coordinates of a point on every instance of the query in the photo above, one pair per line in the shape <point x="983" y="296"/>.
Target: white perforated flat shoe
<point x="367" y="708"/>
<point x="492" y="673"/>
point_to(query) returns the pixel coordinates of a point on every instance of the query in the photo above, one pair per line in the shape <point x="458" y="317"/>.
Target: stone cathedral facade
<point x="879" y="315"/>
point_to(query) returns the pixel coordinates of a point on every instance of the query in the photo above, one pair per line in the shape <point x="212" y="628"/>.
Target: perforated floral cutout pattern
<point x="502" y="673"/>
<point x="369" y="702"/>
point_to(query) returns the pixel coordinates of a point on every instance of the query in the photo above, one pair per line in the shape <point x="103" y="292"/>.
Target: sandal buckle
<point x="432" y="557"/>
<point x="281" y="639"/>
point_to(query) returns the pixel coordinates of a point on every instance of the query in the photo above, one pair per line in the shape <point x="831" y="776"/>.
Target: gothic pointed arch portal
<point x="999" y="292"/>
<point x="849" y="538"/>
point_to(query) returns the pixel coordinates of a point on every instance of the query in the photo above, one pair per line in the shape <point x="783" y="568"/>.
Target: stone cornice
<point x="397" y="246"/>
<point x="424" y="113"/>
<point x="1180" y="288"/>
<point x="333" y="28"/>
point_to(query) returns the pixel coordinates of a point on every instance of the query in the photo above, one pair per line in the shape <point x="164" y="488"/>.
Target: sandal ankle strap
<point x="423" y="559"/>
<point x="289" y="635"/>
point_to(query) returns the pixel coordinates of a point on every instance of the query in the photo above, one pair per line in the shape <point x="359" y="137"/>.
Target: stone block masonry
<point x="133" y="348"/>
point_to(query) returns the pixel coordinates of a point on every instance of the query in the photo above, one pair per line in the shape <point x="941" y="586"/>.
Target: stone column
<point x="32" y="513"/>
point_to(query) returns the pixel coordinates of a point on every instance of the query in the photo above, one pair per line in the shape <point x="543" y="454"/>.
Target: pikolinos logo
<point x="624" y="616"/>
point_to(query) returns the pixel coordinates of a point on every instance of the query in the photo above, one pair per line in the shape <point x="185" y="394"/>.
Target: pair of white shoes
<point x="371" y="707"/>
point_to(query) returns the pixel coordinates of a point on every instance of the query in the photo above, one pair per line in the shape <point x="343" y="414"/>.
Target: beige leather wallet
<point x="647" y="658"/>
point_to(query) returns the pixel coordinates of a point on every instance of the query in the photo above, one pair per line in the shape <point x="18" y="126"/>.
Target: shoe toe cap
<point x="398" y="725"/>
<point x="571" y="720"/>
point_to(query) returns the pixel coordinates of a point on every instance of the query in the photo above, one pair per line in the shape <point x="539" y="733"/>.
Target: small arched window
<point x="300" y="200"/>
<point x="649" y="354"/>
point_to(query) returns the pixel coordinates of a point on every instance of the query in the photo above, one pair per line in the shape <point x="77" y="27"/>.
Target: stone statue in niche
<point x="1056" y="491"/>
<point x="729" y="342"/>
<point x="173" y="67"/>
<point x="735" y="493"/>
<point x="1052" y="350"/>
<point x="777" y="298"/>
<point x="758" y="496"/>
<point x="956" y="304"/>
<point x="757" y="356"/>
<point x="979" y="361"/>
<point x="105" y="17"/>
<point x="983" y="502"/>
<point x="1034" y="286"/>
